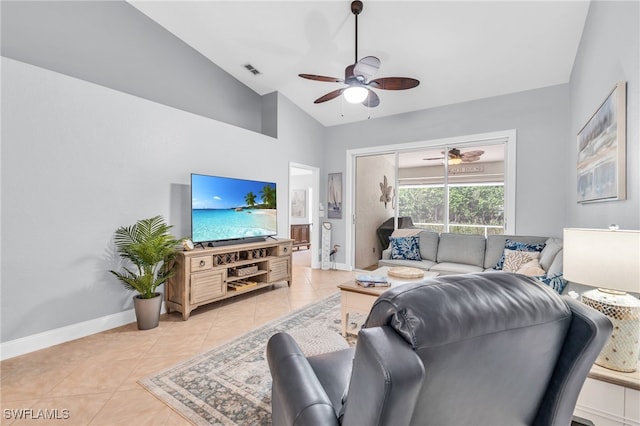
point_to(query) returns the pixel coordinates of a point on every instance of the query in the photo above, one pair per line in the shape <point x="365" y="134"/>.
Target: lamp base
<point x="622" y="350"/>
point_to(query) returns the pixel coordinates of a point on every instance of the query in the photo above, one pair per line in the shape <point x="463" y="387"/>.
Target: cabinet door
<point x="304" y="233"/>
<point x="279" y="269"/>
<point x="208" y="286"/>
<point x="601" y="402"/>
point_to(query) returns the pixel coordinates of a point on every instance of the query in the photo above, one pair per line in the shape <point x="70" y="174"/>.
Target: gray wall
<point x="609" y="52"/>
<point x="113" y="44"/>
<point x="80" y="160"/>
<point x="541" y="118"/>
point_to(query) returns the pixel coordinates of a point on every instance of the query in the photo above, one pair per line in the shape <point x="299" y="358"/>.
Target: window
<point x="470" y="199"/>
<point x="473" y="208"/>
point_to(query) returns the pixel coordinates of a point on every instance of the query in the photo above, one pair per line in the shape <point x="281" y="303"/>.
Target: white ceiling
<point x="459" y="50"/>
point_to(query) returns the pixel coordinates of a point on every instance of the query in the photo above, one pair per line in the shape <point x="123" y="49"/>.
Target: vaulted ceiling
<point x="459" y="50"/>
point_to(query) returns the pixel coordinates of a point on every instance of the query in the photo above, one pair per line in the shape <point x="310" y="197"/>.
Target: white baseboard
<point x="49" y="338"/>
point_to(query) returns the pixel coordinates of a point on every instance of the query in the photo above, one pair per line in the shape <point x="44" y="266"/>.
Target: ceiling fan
<point x="457" y="157"/>
<point x="358" y="77"/>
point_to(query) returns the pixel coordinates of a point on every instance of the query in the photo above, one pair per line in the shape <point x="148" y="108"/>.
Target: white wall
<point x="609" y="52"/>
<point x="80" y="160"/>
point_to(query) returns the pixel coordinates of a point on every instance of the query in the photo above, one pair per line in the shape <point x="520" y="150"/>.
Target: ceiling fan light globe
<point x="455" y="161"/>
<point x="355" y="94"/>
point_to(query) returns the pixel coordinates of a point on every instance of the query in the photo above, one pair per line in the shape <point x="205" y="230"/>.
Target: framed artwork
<point x="334" y="196"/>
<point x="298" y="203"/>
<point x="602" y="151"/>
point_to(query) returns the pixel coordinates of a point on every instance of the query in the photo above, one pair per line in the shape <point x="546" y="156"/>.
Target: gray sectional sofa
<point x="449" y="253"/>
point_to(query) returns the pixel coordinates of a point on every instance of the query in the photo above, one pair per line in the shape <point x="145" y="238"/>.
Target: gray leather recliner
<point x="475" y="349"/>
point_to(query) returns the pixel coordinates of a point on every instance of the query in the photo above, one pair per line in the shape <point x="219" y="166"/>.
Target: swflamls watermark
<point x="36" y="414"/>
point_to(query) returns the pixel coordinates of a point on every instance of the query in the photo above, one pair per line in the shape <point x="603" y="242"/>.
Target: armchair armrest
<point x="298" y="397"/>
<point x="574" y="363"/>
<point x="385" y="382"/>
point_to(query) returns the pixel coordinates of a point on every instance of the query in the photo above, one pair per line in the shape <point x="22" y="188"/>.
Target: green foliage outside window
<point x="468" y="205"/>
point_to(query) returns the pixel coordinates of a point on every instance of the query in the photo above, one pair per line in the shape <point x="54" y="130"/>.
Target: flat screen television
<point x="226" y="209"/>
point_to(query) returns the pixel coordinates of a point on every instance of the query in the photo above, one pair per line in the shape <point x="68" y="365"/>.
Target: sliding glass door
<point x="462" y="185"/>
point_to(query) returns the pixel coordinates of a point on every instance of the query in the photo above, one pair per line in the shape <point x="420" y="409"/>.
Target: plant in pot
<point x="150" y="248"/>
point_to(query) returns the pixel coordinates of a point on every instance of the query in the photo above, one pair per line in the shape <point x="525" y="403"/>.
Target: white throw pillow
<point x="531" y="269"/>
<point x="515" y="259"/>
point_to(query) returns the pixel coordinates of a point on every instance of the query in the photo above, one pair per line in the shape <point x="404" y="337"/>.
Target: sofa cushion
<point x="429" y="245"/>
<point x="448" y="268"/>
<point x="421" y="264"/>
<point x="405" y="248"/>
<point x="510" y="245"/>
<point x="461" y="248"/>
<point x="551" y="248"/>
<point x="495" y="246"/>
<point x="557" y="264"/>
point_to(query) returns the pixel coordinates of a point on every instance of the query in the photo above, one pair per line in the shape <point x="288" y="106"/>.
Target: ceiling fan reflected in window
<point x="359" y="77"/>
<point x="457" y="157"/>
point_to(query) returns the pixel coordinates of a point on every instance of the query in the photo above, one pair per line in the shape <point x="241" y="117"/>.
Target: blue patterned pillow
<point x="405" y="248"/>
<point x="514" y="245"/>
<point x="555" y="281"/>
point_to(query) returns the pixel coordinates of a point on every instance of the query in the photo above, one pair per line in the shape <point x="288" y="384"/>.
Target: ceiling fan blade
<point x="394" y="83"/>
<point x="372" y="100"/>
<point x="469" y="159"/>
<point x="329" y="96"/>
<point x="476" y="153"/>
<point x="321" y="78"/>
<point x="366" y="68"/>
<point x="434" y="158"/>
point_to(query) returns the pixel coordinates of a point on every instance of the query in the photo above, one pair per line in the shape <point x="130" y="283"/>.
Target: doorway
<point x="304" y="202"/>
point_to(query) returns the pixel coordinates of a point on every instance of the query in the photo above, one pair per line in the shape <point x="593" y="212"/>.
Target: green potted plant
<point x="149" y="247"/>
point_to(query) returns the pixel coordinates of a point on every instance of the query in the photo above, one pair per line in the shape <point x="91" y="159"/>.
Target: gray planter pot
<point x="147" y="311"/>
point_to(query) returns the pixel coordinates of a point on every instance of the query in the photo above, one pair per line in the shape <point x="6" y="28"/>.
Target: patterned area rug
<point x="231" y="384"/>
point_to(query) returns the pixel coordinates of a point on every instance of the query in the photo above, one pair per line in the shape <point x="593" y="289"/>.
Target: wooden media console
<point x="205" y="275"/>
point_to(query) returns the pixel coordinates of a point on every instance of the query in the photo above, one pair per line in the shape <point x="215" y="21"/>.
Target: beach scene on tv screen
<point x="226" y="208"/>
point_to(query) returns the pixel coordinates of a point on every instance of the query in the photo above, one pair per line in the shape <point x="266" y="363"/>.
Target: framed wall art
<point x="602" y="150"/>
<point x="298" y="203"/>
<point x="334" y="196"/>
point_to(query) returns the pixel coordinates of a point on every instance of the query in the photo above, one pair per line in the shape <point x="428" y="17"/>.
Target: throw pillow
<point x="555" y="281"/>
<point x="551" y="248"/>
<point x="405" y="248"/>
<point x="531" y="269"/>
<point x="514" y="245"/>
<point x="515" y="259"/>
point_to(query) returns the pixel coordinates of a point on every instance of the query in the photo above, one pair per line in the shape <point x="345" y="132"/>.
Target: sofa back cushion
<point x="495" y="246"/>
<point x="461" y="248"/>
<point x="429" y="245"/>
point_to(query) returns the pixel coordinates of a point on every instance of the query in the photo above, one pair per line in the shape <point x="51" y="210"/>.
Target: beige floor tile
<point x="132" y="407"/>
<point x="96" y="377"/>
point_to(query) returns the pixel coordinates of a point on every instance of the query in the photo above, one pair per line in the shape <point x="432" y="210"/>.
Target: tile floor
<point x="93" y="380"/>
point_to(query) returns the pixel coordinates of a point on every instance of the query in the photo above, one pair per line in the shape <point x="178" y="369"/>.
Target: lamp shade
<point x="602" y="258"/>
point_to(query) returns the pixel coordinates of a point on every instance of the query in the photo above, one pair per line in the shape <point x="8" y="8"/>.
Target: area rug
<point x="231" y="384"/>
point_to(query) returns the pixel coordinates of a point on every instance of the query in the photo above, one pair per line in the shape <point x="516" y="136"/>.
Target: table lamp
<point x="610" y="261"/>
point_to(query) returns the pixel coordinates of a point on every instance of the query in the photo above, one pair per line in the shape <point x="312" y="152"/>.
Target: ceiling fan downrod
<point x="356" y="9"/>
